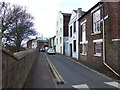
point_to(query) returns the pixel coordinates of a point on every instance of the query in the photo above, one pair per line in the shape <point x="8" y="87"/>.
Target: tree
<point x="17" y="24"/>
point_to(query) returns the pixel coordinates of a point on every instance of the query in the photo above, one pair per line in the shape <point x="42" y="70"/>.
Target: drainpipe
<point x="103" y="36"/>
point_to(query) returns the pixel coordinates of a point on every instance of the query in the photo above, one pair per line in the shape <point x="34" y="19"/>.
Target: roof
<point x="75" y="11"/>
<point x="66" y="14"/>
<point x="43" y="41"/>
<point x="90" y="9"/>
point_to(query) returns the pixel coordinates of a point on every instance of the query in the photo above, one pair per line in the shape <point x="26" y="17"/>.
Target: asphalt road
<point x="79" y="77"/>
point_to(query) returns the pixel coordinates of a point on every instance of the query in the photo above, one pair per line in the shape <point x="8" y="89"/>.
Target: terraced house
<point x="74" y="33"/>
<point x="52" y="42"/>
<point x="62" y="32"/>
<point x="100" y="35"/>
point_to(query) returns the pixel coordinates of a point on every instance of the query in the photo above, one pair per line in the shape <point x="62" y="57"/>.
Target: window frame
<point x="74" y="42"/>
<point x="84" y="42"/>
<point x="74" y="26"/>
<point x="71" y="31"/>
<point x="98" y="41"/>
<point x="83" y="49"/>
<point x="60" y="39"/>
<point x="96" y="21"/>
<point x="56" y="40"/>
<point x="84" y="29"/>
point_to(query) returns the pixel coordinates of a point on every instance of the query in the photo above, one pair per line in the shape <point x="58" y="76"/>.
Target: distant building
<point x="52" y="42"/>
<point x="42" y="44"/>
<point x="32" y="43"/>
<point x="62" y="32"/>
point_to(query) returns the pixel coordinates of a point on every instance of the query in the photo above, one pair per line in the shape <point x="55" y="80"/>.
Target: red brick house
<point x="99" y="35"/>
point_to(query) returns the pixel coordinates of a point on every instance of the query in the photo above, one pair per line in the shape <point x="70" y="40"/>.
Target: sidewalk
<point x="101" y="68"/>
<point x="40" y="76"/>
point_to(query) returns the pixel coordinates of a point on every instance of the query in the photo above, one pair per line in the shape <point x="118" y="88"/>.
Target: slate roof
<point x="66" y="14"/>
<point x="75" y="11"/>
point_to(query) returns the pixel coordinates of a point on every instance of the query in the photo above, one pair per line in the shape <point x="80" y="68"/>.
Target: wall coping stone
<point x="17" y="55"/>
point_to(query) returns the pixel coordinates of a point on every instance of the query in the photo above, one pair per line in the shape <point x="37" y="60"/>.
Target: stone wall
<point x="16" y="67"/>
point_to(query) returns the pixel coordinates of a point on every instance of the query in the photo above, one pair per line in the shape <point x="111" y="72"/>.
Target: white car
<point x="51" y="51"/>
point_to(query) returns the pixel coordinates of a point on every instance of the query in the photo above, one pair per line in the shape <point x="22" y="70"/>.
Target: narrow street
<point x="77" y="76"/>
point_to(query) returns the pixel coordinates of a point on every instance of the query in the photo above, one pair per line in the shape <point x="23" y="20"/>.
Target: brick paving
<point x="40" y="75"/>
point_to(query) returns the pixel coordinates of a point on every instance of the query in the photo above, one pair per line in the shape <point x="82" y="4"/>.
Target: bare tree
<point x="16" y="24"/>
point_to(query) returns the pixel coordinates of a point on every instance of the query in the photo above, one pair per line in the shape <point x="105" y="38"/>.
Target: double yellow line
<point x="55" y="72"/>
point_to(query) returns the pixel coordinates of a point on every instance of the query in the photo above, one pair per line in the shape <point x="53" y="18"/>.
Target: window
<point x="83" y="49"/>
<point x="60" y="29"/>
<point x="61" y="49"/>
<point x="70" y="31"/>
<point x="60" y="20"/>
<point x="83" y="32"/>
<point x="60" y="39"/>
<point x="97" y="47"/>
<point x="74" y="45"/>
<point x="75" y="26"/>
<point x="57" y="32"/>
<point x="57" y="23"/>
<point x="83" y="43"/>
<point x="96" y="21"/>
<point x="57" y="40"/>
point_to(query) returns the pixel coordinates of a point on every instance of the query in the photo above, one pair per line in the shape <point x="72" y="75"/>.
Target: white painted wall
<point x="34" y="44"/>
<point x="66" y="43"/>
<point x="74" y="35"/>
<point x="59" y="24"/>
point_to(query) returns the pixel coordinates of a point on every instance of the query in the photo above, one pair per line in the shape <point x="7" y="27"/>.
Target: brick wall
<point x="112" y="31"/>
<point x="15" y="69"/>
<point x="66" y="21"/>
<point x="89" y="37"/>
<point x="112" y="47"/>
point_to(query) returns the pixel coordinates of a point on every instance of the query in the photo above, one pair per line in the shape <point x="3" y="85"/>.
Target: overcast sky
<point x="45" y="11"/>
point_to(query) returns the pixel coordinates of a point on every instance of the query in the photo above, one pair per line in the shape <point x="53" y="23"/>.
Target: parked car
<point x="42" y="50"/>
<point x="51" y="51"/>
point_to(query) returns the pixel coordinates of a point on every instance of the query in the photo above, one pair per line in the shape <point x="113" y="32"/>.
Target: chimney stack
<point x="79" y="13"/>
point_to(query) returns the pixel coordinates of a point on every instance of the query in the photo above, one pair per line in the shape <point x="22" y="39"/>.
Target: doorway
<point x="71" y="50"/>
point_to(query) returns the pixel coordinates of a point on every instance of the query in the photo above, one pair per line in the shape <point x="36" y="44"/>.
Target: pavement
<point x="40" y="75"/>
<point x="98" y="67"/>
<point x="101" y="68"/>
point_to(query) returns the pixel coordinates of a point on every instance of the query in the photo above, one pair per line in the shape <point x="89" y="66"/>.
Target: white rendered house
<point x="62" y="33"/>
<point x="74" y="34"/>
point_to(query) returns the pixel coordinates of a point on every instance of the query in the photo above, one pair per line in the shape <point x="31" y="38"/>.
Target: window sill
<point x="97" y="55"/>
<point x="83" y="54"/>
<point x="95" y="33"/>
<point x="74" y="32"/>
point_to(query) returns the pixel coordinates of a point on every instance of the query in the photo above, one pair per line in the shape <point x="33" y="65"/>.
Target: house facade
<point x="52" y="42"/>
<point x="32" y="43"/>
<point x="74" y="34"/>
<point x="42" y="44"/>
<point x="99" y="37"/>
<point x="62" y="33"/>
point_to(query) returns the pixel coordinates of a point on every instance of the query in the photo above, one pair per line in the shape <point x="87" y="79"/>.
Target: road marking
<point x="89" y="68"/>
<point x="81" y="87"/>
<point x="115" y="84"/>
<point x="55" y="71"/>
